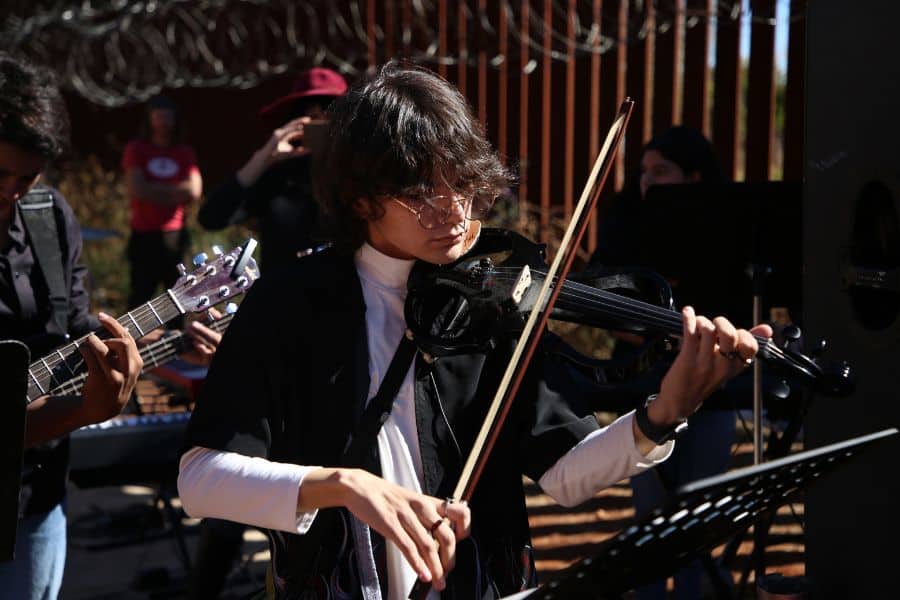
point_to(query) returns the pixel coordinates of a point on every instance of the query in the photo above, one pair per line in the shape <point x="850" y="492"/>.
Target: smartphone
<point x="314" y="135"/>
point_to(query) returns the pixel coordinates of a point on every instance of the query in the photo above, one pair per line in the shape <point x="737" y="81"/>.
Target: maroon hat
<point x="316" y="82"/>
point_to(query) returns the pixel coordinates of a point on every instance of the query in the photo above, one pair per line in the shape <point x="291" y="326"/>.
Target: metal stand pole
<point x="757" y="277"/>
<point x="758" y="273"/>
<point x="757" y="391"/>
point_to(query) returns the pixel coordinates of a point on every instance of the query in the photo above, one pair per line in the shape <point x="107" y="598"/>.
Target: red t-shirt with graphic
<point x="172" y="164"/>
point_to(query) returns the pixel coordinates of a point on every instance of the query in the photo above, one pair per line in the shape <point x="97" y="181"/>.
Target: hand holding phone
<point x="314" y="136"/>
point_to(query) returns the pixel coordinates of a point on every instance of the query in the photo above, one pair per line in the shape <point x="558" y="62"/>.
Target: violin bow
<point x="537" y="320"/>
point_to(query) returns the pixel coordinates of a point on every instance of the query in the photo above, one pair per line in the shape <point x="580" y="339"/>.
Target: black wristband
<point x="657" y="434"/>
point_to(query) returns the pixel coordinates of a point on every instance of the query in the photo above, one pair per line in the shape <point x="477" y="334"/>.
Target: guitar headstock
<point x="213" y="281"/>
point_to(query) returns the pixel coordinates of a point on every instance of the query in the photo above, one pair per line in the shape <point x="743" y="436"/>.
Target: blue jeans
<point x="37" y="571"/>
<point x="704" y="450"/>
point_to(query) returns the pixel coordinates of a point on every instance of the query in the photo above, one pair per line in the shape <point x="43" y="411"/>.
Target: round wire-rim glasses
<point x="434" y="211"/>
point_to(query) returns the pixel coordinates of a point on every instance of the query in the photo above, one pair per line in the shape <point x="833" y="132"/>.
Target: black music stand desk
<point x="703" y="515"/>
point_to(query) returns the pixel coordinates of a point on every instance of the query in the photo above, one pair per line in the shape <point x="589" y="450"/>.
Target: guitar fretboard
<point x="154" y="355"/>
<point x="64" y="363"/>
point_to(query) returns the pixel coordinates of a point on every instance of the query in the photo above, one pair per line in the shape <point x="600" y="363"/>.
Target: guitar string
<point x="162" y="350"/>
<point x="42" y="371"/>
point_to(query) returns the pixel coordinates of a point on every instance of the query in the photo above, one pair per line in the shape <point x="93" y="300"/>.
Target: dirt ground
<point x="133" y="542"/>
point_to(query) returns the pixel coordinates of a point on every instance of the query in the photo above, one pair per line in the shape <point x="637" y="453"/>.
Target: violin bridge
<point x="523" y="282"/>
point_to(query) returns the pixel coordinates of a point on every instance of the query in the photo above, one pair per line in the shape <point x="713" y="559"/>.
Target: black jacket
<point x="289" y="382"/>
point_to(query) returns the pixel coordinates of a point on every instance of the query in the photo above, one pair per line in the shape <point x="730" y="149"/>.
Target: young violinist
<point x="406" y="177"/>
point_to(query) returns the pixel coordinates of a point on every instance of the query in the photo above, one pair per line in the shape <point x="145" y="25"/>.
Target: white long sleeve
<point x="244" y="489"/>
<point x="599" y="461"/>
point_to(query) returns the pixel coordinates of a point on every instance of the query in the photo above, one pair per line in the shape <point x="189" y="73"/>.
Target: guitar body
<point x="13" y="362"/>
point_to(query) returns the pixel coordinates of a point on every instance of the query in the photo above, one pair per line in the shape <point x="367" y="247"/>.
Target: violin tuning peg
<point x="792" y="332"/>
<point x="780" y="390"/>
<point x="820" y="348"/>
<point x="789" y="335"/>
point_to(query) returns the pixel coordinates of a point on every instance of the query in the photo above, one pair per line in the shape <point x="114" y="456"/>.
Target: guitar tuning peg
<point x="231" y="308"/>
<point x="181" y="270"/>
<point x="200" y="259"/>
<point x="217" y="250"/>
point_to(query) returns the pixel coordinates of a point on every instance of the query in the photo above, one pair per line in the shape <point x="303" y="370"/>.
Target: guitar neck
<point x="154" y="355"/>
<point x="64" y="363"/>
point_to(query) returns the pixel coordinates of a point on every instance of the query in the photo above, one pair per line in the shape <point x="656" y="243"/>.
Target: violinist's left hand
<point x="711" y="353"/>
<point x="205" y="341"/>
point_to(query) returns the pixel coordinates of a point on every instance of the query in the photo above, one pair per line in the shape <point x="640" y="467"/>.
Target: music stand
<point x="703" y="515"/>
<point x="14" y="357"/>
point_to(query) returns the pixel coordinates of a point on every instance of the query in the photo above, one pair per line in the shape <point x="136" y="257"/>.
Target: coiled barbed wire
<point x="114" y="52"/>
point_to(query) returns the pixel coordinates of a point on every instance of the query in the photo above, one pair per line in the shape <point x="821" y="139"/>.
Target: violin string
<point x="644" y="313"/>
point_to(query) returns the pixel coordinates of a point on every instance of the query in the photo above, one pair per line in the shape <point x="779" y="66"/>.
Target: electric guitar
<point x="211" y="282"/>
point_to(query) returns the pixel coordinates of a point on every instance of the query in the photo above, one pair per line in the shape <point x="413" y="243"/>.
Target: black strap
<point x="40" y="221"/>
<point x="379" y="408"/>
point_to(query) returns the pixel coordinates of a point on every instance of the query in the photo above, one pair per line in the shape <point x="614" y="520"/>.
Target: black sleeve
<point x="81" y="321"/>
<point x="229" y="204"/>
<point x="556" y="415"/>
<point x="252" y="370"/>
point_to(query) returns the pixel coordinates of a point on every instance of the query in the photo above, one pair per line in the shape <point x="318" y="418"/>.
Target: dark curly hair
<point x="33" y="113"/>
<point x="398" y="133"/>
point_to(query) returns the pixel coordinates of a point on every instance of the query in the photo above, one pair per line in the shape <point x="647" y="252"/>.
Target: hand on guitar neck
<point x="55" y="380"/>
<point x="205" y="340"/>
<point x="202" y="336"/>
<point x="113" y="365"/>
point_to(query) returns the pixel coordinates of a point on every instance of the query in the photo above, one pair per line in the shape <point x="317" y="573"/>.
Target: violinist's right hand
<point x="284" y="143"/>
<point x="424" y="528"/>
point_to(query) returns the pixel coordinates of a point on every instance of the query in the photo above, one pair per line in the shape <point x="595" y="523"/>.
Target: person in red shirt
<point x="162" y="178"/>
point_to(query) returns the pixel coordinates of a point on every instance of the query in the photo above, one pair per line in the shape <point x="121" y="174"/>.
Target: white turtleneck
<point x="263" y="493"/>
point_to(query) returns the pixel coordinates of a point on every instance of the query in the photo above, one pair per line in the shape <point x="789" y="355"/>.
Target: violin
<point x="466" y="306"/>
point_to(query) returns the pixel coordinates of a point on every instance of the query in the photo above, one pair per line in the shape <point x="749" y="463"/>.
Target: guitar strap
<point x="40" y="221"/>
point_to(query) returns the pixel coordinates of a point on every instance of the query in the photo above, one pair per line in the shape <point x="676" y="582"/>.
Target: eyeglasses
<point x="436" y="210"/>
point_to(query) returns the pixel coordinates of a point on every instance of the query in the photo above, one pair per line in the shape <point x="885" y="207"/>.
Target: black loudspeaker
<point x="851" y="286"/>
